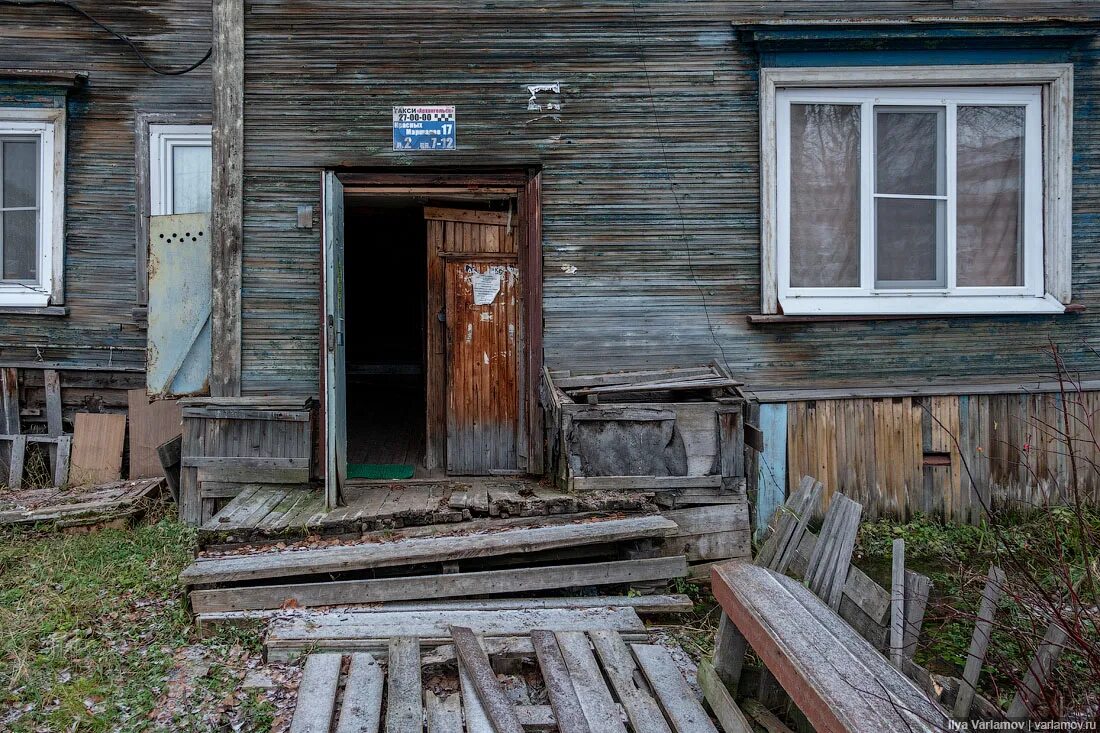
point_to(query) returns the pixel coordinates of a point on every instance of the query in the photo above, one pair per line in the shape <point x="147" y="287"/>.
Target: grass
<point x="92" y="627"/>
<point x="957" y="558"/>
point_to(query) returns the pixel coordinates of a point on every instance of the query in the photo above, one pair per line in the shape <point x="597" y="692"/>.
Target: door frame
<point x="526" y="186"/>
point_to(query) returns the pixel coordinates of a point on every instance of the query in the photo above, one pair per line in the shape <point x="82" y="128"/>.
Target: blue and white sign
<point x="424" y="128"/>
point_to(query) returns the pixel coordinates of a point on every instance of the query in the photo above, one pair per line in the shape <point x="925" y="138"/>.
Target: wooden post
<point x="9" y="400"/>
<point x="228" y="197"/>
<point x="1023" y="705"/>
<point x="731" y="446"/>
<point x="52" y="383"/>
<point x="979" y="642"/>
<point x="729" y="653"/>
<point x="917" y="588"/>
<point x="897" y="604"/>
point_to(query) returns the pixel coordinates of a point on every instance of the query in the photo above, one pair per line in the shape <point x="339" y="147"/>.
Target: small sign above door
<point x="424" y="128"/>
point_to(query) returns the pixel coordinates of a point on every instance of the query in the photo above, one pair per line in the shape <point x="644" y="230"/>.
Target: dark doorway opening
<point x="385" y="286"/>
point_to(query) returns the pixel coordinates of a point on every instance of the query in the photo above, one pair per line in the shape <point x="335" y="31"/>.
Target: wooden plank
<point x="51" y="383"/>
<point x="897" y="603"/>
<point x="794" y="531"/>
<point x="227" y="232"/>
<point x="644" y="483"/>
<point x="265" y="475"/>
<point x="979" y="642"/>
<point x="642" y="711"/>
<point x="594" y="698"/>
<point x="765" y="718"/>
<point x="827" y="570"/>
<point x="1023" y="706"/>
<point x="61" y="461"/>
<point x="98" y="441"/>
<point x="360" y="711"/>
<point x="835" y="677"/>
<point x="18" y="453"/>
<point x="475" y="662"/>
<point x="466" y="216"/>
<point x="801" y="503"/>
<point x="917" y="589"/>
<point x="443" y="715"/>
<point x="9" y="401"/>
<point x="731" y="443"/>
<point x="410" y="551"/>
<point x="151" y="424"/>
<point x="771" y="483"/>
<point x="568" y="715"/>
<point x="316" y="694"/>
<point x="477" y="721"/>
<point x="487" y="582"/>
<point x="729" y="652"/>
<point x="652" y="375"/>
<point x="404" y="706"/>
<point x="721" y="701"/>
<point x="677" y="699"/>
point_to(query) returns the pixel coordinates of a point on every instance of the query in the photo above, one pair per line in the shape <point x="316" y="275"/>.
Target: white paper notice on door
<point x="486" y="286"/>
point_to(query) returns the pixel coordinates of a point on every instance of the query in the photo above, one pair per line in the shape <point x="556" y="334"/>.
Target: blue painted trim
<point x="912" y="57"/>
<point x="771" y="479"/>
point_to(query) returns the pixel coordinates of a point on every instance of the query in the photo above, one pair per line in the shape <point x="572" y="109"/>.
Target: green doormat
<point x="382" y="471"/>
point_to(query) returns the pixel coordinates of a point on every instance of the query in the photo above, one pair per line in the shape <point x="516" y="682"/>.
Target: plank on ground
<point x="472" y="658"/>
<point x="721" y="701"/>
<point x="641" y="709"/>
<point x="316" y="694"/>
<point x="568" y="714"/>
<point x="444" y="715"/>
<point x="404" y="708"/>
<point x="677" y="699"/>
<point x="361" y="709"/>
<point x="595" y="699"/>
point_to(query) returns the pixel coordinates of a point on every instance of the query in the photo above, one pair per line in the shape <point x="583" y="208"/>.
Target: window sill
<point x="781" y="319"/>
<point x="33" y="310"/>
<point x="917" y="305"/>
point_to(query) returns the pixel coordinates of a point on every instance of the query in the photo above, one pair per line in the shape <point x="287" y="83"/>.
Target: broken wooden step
<point x="370" y="631"/>
<point x="445" y="585"/>
<point x="343" y="558"/>
<point x="642" y="604"/>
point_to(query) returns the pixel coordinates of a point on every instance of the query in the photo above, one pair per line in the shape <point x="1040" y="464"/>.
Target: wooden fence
<point x="947" y="456"/>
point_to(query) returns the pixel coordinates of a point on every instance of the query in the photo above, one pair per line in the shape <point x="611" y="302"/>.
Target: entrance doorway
<point x="431" y="334"/>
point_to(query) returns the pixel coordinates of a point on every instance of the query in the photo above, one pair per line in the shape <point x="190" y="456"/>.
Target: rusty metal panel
<point x="178" y="362"/>
<point x="482" y="369"/>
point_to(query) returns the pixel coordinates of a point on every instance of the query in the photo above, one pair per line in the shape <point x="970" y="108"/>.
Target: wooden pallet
<point x="81" y="506"/>
<point x="563" y="678"/>
<point x="13" y="442"/>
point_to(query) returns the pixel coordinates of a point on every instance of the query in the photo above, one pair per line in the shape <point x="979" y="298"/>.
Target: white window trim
<point x="162" y="139"/>
<point x="49" y="124"/>
<point x="1056" y="82"/>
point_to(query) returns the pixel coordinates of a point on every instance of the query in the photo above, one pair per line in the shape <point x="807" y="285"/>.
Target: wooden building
<point x="100" y="141"/>
<point x="877" y="215"/>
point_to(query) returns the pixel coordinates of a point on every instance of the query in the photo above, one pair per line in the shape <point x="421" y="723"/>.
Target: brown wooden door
<point x="482" y="340"/>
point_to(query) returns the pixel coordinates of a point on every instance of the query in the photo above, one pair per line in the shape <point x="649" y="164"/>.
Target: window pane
<point x="190" y="179"/>
<point x="990" y="196"/>
<point x="19" y="245"/>
<point x="909" y="151"/>
<point x="825" y="195"/>
<point x="20" y="172"/>
<point x="909" y="236"/>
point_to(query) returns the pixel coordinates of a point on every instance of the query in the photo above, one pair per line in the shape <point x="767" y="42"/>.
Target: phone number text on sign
<point x="424" y="128"/>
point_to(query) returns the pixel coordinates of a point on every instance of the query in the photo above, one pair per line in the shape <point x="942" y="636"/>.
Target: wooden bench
<point x="839" y="681"/>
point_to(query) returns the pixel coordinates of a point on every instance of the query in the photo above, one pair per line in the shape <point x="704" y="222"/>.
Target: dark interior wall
<point x="650" y="182"/>
<point x="100" y="329"/>
<point x="385" y="271"/>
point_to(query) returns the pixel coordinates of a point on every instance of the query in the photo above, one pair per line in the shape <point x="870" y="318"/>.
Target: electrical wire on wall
<point x="94" y="21"/>
<point x="688" y="250"/>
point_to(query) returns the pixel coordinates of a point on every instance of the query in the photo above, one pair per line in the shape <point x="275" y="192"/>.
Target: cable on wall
<point x="132" y="46"/>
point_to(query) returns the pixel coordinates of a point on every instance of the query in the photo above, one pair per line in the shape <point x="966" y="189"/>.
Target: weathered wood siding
<point x="100" y="330"/>
<point x="948" y="456"/>
<point x="650" y="180"/>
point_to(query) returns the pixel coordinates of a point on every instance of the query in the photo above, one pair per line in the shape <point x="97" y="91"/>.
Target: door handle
<point x="331" y="336"/>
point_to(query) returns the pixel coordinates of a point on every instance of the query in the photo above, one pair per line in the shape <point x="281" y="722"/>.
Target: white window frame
<point x="1047" y="91"/>
<point x="48" y="124"/>
<point x="162" y="140"/>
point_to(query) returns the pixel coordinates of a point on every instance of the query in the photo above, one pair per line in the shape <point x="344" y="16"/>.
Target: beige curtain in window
<point x="825" y="206"/>
<point x="990" y="196"/>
